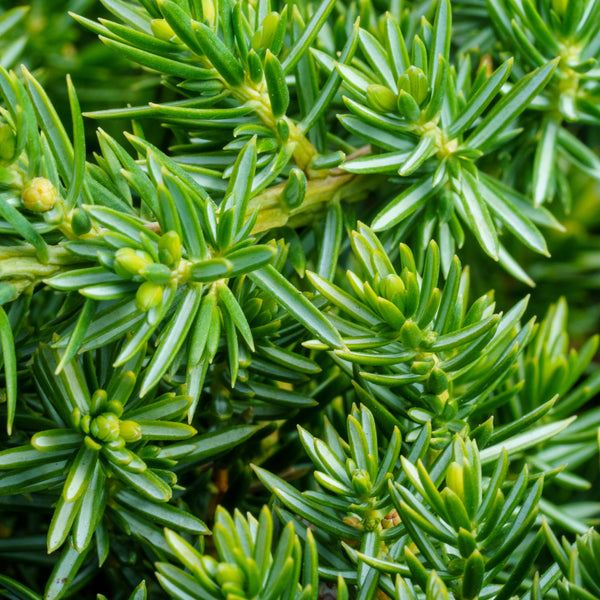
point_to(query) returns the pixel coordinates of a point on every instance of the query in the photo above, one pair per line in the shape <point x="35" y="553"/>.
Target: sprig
<point x="96" y="435"/>
<point x="250" y="346"/>
<point x="249" y="563"/>
<point x="441" y="126"/>
<point x="442" y="357"/>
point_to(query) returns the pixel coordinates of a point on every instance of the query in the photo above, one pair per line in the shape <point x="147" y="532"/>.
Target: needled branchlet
<point x="312" y="313"/>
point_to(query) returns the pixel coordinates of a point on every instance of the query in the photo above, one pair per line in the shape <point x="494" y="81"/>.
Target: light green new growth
<point x="272" y="332"/>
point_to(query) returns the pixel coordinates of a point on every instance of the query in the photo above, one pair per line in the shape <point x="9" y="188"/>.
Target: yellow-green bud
<point x="428" y="339"/>
<point x="163" y="31"/>
<point x="76" y="417"/>
<point x="39" y="195"/>
<point x="414" y="82"/>
<point x="91" y="444"/>
<point x="231" y="574"/>
<point x="560" y="6"/>
<point x="410" y="334"/>
<point x="208" y="11"/>
<point x="148" y="296"/>
<point x="390" y="313"/>
<point x="105" y="427"/>
<point x="361" y="482"/>
<point x="129" y="262"/>
<point x="7" y="142"/>
<point x="115" y="407"/>
<point x="169" y="248"/>
<point x="372" y="520"/>
<point x="269" y="27"/>
<point x="454" y="479"/>
<point x="98" y="403"/>
<point x="85" y="423"/>
<point x="232" y="591"/>
<point x="256" y="40"/>
<point x="130" y="431"/>
<point x="381" y="98"/>
<point x="156" y="273"/>
<point x="393" y="289"/>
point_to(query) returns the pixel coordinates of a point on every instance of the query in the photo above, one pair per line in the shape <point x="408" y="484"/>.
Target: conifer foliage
<point x="272" y="330"/>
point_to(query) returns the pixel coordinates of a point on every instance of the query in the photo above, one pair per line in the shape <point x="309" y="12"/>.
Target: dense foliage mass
<point x="293" y="323"/>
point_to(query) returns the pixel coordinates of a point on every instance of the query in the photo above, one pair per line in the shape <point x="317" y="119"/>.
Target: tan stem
<point x="320" y="193"/>
<point x="337" y="185"/>
<point x="20" y="267"/>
